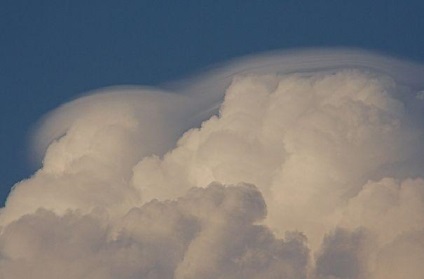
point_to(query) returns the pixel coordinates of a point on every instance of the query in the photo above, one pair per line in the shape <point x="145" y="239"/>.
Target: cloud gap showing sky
<point x="296" y="164"/>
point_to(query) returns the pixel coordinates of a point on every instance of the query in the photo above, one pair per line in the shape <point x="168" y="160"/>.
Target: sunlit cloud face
<point x="300" y="164"/>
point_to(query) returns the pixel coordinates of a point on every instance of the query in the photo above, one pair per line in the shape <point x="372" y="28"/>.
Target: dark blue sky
<point x="52" y="51"/>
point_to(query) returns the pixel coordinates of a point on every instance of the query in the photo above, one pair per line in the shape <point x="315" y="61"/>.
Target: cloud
<point x="286" y="165"/>
<point x="309" y="143"/>
<point x="402" y="257"/>
<point x="344" y="254"/>
<point x="208" y="233"/>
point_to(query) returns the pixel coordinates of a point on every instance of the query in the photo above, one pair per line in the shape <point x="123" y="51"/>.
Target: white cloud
<point x="208" y="233"/>
<point x="332" y="141"/>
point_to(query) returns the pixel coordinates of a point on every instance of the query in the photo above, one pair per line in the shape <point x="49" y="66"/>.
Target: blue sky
<point x="53" y="51"/>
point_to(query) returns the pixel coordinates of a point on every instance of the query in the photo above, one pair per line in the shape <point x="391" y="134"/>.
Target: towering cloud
<point x="288" y="165"/>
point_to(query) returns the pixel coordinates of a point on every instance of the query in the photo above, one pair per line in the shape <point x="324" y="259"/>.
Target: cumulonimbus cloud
<point x="301" y="164"/>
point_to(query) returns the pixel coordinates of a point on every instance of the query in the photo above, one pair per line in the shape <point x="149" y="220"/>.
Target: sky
<point x="212" y="139"/>
<point x="54" y="52"/>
